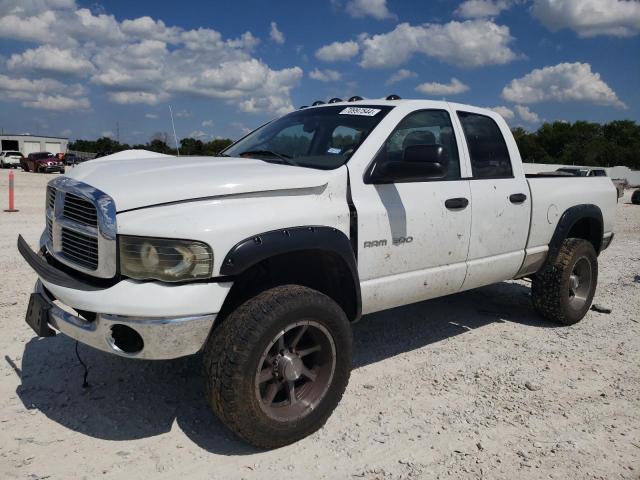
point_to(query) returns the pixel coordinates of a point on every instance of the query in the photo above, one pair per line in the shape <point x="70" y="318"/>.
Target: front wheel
<point x="278" y="366"/>
<point x="563" y="290"/>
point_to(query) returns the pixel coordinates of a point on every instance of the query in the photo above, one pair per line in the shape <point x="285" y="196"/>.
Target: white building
<point x="27" y="144"/>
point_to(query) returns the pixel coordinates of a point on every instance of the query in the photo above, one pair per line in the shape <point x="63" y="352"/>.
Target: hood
<point x="153" y="180"/>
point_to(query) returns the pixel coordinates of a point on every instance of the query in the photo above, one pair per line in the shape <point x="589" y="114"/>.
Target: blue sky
<point x="79" y="69"/>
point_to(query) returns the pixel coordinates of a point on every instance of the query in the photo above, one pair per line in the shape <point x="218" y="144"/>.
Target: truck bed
<point x="552" y="195"/>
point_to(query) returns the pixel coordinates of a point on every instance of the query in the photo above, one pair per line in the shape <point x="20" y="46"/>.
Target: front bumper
<point x="51" y="168"/>
<point x="158" y="338"/>
<point x="171" y="320"/>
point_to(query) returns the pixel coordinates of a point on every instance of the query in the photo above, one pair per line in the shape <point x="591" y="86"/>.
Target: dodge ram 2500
<point x="263" y="256"/>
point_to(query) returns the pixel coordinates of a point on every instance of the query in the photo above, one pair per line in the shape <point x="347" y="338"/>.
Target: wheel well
<point x="323" y="271"/>
<point x="589" y="229"/>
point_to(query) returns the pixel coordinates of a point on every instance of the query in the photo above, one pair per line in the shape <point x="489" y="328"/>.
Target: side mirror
<point x="419" y="163"/>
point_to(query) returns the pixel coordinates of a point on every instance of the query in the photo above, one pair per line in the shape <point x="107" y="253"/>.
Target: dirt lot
<point x="438" y="389"/>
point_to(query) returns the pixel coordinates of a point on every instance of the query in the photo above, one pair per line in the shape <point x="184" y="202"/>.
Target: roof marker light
<point x="393" y="96"/>
<point x="355" y="98"/>
<point x="335" y="100"/>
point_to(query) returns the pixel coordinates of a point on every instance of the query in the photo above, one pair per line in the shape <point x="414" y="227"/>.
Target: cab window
<point x="487" y="148"/>
<point x="424" y="127"/>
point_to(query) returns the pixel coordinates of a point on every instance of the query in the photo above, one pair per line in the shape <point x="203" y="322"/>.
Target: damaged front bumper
<point x="138" y="337"/>
<point x="145" y="320"/>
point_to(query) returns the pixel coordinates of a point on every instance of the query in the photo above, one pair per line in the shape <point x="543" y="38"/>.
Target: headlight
<point x="164" y="259"/>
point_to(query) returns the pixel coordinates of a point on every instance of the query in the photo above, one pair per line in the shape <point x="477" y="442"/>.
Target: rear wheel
<point x="277" y="367"/>
<point x="635" y="197"/>
<point x="563" y="290"/>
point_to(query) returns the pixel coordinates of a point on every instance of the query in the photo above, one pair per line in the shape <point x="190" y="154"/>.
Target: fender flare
<point x="568" y="219"/>
<point x="253" y="250"/>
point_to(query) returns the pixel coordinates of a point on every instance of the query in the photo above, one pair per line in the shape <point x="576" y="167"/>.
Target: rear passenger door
<point x="500" y="203"/>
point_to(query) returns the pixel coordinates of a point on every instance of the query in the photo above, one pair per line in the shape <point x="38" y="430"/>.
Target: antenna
<point x="175" y="137"/>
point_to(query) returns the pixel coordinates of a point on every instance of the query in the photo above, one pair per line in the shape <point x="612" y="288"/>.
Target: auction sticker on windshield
<point x="367" y="112"/>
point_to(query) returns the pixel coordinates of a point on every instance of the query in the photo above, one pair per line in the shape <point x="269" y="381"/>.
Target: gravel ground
<point x="473" y="385"/>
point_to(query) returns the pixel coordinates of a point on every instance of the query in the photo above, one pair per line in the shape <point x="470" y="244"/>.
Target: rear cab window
<point x="487" y="147"/>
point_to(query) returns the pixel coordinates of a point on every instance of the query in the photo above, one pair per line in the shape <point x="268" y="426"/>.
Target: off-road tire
<point x="550" y="286"/>
<point x="635" y="197"/>
<point x="234" y="349"/>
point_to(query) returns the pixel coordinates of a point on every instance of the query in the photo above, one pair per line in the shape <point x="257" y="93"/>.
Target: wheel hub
<point x="295" y="371"/>
<point x="574" y="282"/>
<point x="289" y="366"/>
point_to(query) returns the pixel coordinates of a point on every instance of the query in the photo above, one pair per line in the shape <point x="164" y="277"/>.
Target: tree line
<point x="157" y="143"/>
<point x="579" y="143"/>
<point x="582" y="143"/>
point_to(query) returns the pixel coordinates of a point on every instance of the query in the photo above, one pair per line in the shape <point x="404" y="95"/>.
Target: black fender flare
<point x="253" y="250"/>
<point x="568" y="219"/>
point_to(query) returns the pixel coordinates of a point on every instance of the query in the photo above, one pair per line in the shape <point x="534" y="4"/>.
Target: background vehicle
<point x="71" y="159"/>
<point x="10" y="159"/>
<point x="592" y="172"/>
<point x="584" y="171"/>
<point x="264" y="256"/>
<point x="42" y="162"/>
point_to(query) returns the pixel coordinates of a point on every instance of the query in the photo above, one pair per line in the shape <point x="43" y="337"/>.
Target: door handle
<point x="456" y="203"/>
<point x="517" y="198"/>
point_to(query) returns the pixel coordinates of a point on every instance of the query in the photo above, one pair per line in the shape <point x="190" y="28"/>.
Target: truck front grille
<point x="51" y="197"/>
<point x="80" y="248"/>
<point x="80" y="229"/>
<point x="50" y="229"/>
<point x="79" y="210"/>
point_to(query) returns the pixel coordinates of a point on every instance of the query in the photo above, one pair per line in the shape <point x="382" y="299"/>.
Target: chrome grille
<point x="50" y="229"/>
<point x="79" y="210"/>
<point x="51" y="197"/>
<point x="79" y="248"/>
<point x="81" y="227"/>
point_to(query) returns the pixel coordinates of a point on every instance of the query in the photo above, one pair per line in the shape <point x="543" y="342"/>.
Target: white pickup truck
<point x="263" y="256"/>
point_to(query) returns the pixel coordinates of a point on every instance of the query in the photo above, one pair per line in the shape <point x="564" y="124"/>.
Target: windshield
<point x="323" y="138"/>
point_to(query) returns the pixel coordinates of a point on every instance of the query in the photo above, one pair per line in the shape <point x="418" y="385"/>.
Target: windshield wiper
<point x="285" y="158"/>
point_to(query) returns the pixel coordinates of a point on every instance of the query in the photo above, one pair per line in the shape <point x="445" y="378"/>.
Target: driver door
<point x="413" y="234"/>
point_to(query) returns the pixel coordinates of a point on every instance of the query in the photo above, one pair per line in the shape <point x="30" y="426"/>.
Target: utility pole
<point x="118" y="132"/>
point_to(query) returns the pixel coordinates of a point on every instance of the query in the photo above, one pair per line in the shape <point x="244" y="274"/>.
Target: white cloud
<point x="325" y="75"/>
<point x="183" y="114"/>
<point x="506" y="112"/>
<point x="107" y="134"/>
<point x="452" y="88"/>
<point x="527" y="115"/>
<point x="565" y="82"/>
<point x="141" y="60"/>
<point x="149" y="29"/>
<point x="589" y="18"/>
<point x="481" y="8"/>
<point x="151" y="116"/>
<point x="400" y="75"/>
<point x="369" y="8"/>
<point x="198" y="134"/>
<point x="51" y="59"/>
<point x="44" y="93"/>
<point x="57" y="103"/>
<point x="338" y="51"/>
<point x="471" y="43"/>
<point x="207" y="124"/>
<point x="33" y="28"/>
<point x="276" y="35"/>
<point x="134" y="97"/>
